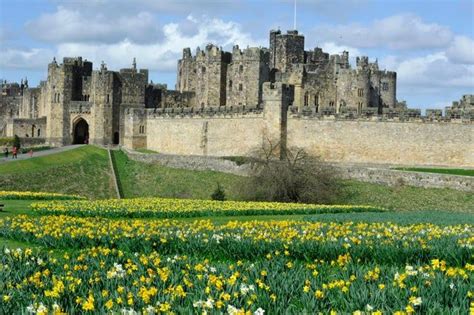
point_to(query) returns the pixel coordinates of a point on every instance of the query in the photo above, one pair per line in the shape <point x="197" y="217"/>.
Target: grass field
<point x="85" y="171"/>
<point x="149" y="180"/>
<point x="450" y="171"/>
<point x="146" y="180"/>
<point x="82" y="171"/>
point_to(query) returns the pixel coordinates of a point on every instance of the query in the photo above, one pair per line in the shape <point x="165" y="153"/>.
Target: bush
<point x="6" y="141"/>
<point x="16" y="142"/>
<point x="219" y="193"/>
<point x="291" y="175"/>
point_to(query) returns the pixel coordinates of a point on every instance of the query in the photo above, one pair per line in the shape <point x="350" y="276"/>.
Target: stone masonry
<point x="228" y="103"/>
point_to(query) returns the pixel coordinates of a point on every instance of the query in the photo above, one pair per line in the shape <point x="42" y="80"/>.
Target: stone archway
<point x="81" y="132"/>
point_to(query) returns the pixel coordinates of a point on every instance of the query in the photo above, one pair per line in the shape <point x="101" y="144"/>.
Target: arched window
<point x="306" y="99"/>
<point x="316" y="99"/>
<point x="39" y="132"/>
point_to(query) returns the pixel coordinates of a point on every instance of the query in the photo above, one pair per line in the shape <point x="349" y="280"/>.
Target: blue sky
<point x="430" y="43"/>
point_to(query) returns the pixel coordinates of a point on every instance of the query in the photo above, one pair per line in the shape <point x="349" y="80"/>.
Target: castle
<point x="225" y="103"/>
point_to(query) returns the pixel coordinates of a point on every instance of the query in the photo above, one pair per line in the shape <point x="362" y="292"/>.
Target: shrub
<point x="291" y="175"/>
<point x="17" y="142"/>
<point x="219" y="193"/>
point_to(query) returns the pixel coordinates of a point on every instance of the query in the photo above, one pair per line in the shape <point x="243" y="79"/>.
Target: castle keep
<point x="227" y="103"/>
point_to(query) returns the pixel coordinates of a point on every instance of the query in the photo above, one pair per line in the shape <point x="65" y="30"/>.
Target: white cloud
<point x="163" y="55"/>
<point x="27" y="59"/>
<point x="430" y="81"/>
<point x="461" y="50"/>
<point x="405" y="31"/>
<point x="68" y="25"/>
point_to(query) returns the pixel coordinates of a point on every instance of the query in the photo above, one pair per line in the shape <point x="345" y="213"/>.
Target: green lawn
<point x="450" y="171"/>
<point x="406" y="198"/>
<point x="16" y="207"/>
<point x="83" y="171"/>
<point x="139" y="179"/>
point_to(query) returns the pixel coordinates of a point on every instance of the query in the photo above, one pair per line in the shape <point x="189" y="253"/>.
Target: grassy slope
<point x="407" y="198"/>
<point x="451" y="171"/>
<point x="140" y="180"/>
<point x="84" y="171"/>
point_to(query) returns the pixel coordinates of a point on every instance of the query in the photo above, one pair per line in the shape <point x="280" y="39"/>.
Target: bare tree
<point x="290" y="175"/>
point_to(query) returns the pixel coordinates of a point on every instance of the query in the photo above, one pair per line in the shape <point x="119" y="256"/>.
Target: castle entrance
<point x="81" y="132"/>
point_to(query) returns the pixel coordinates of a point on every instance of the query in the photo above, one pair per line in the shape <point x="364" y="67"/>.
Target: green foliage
<point x="17" y="142"/>
<point x="450" y="171"/>
<point x="219" y="193"/>
<point x="6" y="141"/>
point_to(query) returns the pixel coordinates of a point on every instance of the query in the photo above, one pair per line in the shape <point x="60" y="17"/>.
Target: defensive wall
<point x="237" y="131"/>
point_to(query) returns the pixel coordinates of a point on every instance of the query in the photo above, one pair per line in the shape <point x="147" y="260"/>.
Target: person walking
<point x="5" y="151"/>
<point x="31" y="153"/>
<point x="14" y="152"/>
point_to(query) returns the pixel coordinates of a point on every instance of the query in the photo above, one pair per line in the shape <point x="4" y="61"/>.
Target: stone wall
<point x="219" y="135"/>
<point x="195" y="163"/>
<point x="407" y="143"/>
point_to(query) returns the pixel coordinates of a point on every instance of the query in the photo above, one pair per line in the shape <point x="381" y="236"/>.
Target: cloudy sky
<point x="430" y="43"/>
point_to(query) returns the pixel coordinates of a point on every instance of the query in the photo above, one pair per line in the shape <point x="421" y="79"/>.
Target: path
<point x="26" y="156"/>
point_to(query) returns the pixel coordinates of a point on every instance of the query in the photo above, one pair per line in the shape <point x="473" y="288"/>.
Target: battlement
<point x="371" y="114"/>
<point x="250" y="53"/>
<point x="238" y="111"/>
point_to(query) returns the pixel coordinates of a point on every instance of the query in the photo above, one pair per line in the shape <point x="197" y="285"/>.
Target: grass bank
<point x="146" y="180"/>
<point x="83" y="171"/>
<point x="149" y="180"/>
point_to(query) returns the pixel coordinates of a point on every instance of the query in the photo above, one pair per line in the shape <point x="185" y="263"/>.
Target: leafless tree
<point x="290" y="175"/>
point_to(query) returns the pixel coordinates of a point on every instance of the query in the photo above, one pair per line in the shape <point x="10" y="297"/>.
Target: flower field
<point x="29" y="195"/>
<point x="95" y="257"/>
<point x="294" y="267"/>
<point x="172" y="208"/>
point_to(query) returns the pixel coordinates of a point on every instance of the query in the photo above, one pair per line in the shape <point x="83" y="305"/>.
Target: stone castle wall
<point x="227" y="133"/>
<point x="409" y="143"/>
<point x="218" y="135"/>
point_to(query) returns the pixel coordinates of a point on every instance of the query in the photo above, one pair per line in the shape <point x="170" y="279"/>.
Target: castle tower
<point x="286" y="49"/>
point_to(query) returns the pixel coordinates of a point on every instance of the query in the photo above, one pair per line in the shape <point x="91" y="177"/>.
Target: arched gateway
<point x="81" y="132"/>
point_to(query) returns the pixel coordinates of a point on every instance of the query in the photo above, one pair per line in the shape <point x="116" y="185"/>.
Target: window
<point x="108" y="98"/>
<point x="306" y="98"/>
<point x="360" y="92"/>
<point x="385" y="86"/>
<point x="331" y="103"/>
<point x="203" y="70"/>
<point x="230" y="85"/>
<point x="316" y="99"/>
<point x="241" y="87"/>
<point x="241" y="68"/>
<point x="141" y="129"/>
<point x="359" y="107"/>
<point x="39" y="132"/>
